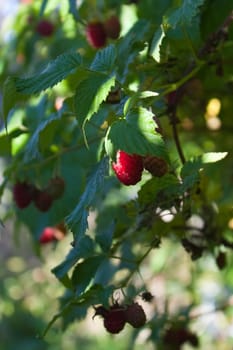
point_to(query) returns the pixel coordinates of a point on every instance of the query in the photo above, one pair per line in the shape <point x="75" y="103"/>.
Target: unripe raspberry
<point x="128" y="168"/>
<point x="156" y="166"/>
<point x="23" y="194"/>
<point x="56" y="187"/>
<point x="96" y="35"/>
<point x="45" y="28"/>
<point x="112" y="27"/>
<point x="43" y="201"/>
<point x="114" y="320"/>
<point x="135" y="315"/>
<point x="47" y="235"/>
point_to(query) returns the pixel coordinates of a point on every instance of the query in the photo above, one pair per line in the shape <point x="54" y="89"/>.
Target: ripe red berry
<point x="56" y="187"/>
<point x="128" y="168"/>
<point x="114" y="320"/>
<point x="156" y="166"/>
<point x="112" y="27"/>
<point x="43" y="201"/>
<point x="45" y="28"/>
<point x="96" y="35"/>
<point x="23" y="194"/>
<point x="47" y="235"/>
<point x="135" y="315"/>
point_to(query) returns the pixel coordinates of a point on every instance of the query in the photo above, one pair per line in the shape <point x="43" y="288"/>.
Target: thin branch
<point x="174" y="120"/>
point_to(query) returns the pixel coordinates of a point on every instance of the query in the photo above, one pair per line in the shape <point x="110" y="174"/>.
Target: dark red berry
<point x="96" y="35"/>
<point x="43" y="201"/>
<point x="47" y="235"/>
<point x="112" y="27"/>
<point x="56" y="187"/>
<point x="156" y="166"/>
<point x="114" y="320"/>
<point x="128" y="168"/>
<point x="45" y="28"/>
<point x="23" y="194"/>
<point x="135" y="315"/>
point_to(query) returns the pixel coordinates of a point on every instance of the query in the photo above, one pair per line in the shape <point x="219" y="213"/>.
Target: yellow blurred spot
<point x="230" y="224"/>
<point x="213" y="107"/>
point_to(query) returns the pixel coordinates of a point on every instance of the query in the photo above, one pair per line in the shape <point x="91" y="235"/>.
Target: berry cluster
<point x="52" y="233"/>
<point x="25" y="193"/>
<point x="129" y="167"/>
<point x="98" y="32"/>
<point x="116" y="316"/>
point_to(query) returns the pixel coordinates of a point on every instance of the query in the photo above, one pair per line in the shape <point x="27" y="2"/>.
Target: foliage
<point x="162" y="89"/>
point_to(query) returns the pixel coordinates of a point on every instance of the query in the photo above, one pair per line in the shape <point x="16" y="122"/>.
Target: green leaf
<point x="130" y="45"/>
<point x="10" y="97"/>
<point x="104" y="238"/>
<point x="182" y="14"/>
<point x="43" y="7"/>
<point x="90" y="93"/>
<point x="32" y="149"/>
<point x="213" y="157"/>
<point x="78" y="218"/>
<point x="156" y="44"/>
<point x="190" y="170"/>
<point x="83" y="249"/>
<point x="55" y="72"/>
<point x="5" y="145"/>
<point x="73" y="9"/>
<point x="84" y="272"/>
<point x="193" y="166"/>
<point x="130" y="103"/>
<point x="104" y="60"/>
<point x="154" y="186"/>
<point x="135" y="134"/>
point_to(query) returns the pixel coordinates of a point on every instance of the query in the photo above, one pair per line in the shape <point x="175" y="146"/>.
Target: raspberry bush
<point x="117" y="124"/>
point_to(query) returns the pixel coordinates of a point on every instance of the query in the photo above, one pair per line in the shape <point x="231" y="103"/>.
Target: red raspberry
<point x="156" y="166"/>
<point x="128" y="167"/>
<point x="23" y="194"/>
<point x="114" y="320"/>
<point x="43" y="201"/>
<point x="45" y="28"/>
<point x="112" y="27"/>
<point x="135" y="315"/>
<point x="56" y="187"/>
<point x="47" y="235"/>
<point x="96" y="35"/>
